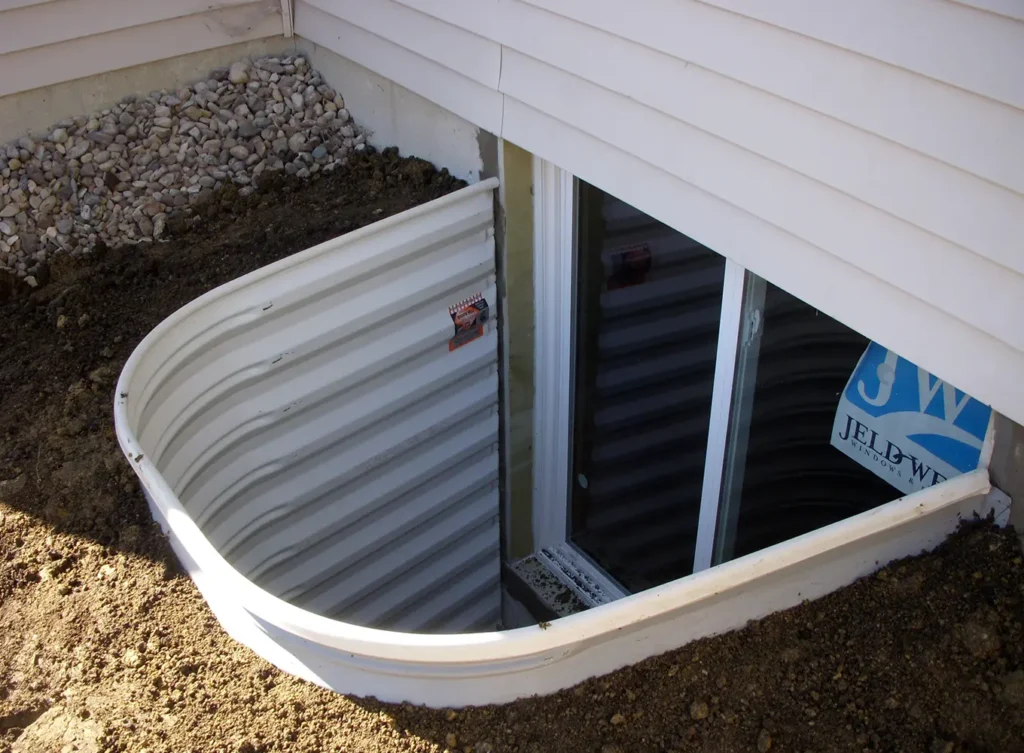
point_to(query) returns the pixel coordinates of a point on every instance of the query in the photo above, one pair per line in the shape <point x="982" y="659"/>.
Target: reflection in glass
<point x="782" y="476"/>
<point x="648" y="313"/>
<point x="649" y="304"/>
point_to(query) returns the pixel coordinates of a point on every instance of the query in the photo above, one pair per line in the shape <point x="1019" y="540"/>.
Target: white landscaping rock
<point x="238" y="73"/>
<point x="115" y="176"/>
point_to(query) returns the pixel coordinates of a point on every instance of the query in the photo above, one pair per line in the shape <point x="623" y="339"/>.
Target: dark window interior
<point x="794" y="481"/>
<point x="648" y="308"/>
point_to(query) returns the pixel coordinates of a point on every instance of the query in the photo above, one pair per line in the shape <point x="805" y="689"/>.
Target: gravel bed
<point x="119" y="175"/>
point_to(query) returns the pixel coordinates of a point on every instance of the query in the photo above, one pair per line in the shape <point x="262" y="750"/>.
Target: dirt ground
<point x="106" y="646"/>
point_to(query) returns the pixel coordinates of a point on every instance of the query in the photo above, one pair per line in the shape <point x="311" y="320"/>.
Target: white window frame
<point x="554" y="199"/>
<point x="554" y="228"/>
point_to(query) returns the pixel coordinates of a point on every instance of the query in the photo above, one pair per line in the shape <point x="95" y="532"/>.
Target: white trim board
<point x="554" y="227"/>
<point x="503" y="367"/>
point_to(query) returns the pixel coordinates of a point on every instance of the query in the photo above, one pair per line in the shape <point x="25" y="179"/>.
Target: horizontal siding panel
<point x="450" y="45"/>
<point x="469" y="99"/>
<point x="892" y="173"/>
<point x="965" y="130"/>
<point x="87" y="56"/>
<point x="946" y="201"/>
<point x="1007" y="8"/>
<point x="900" y="176"/>
<point x="933" y="270"/>
<point x="958" y="45"/>
<point x="12" y="4"/>
<point x="48" y="23"/>
<point x="933" y="195"/>
<point x="485" y="18"/>
<point x="926" y="335"/>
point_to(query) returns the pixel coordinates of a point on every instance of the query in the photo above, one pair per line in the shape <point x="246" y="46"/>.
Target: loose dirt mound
<point x="105" y="645"/>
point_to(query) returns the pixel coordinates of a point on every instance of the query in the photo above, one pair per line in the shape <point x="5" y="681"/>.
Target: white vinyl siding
<point x="979" y="47"/>
<point x="1008" y="8"/>
<point x="876" y="174"/>
<point x="461" y="94"/>
<point x="43" y="43"/>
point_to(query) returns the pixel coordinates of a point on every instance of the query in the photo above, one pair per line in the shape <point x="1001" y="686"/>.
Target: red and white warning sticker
<point x="469" y="317"/>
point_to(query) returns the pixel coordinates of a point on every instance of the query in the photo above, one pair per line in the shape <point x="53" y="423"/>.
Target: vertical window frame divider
<point x="730" y="329"/>
<point x="744" y="383"/>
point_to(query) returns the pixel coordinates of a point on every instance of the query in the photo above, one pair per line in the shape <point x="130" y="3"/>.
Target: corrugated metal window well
<point x="329" y="423"/>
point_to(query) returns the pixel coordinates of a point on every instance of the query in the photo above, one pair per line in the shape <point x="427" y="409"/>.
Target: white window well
<point x="320" y="440"/>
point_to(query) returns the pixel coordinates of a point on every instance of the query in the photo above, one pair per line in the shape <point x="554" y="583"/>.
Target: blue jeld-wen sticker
<point x="907" y="426"/>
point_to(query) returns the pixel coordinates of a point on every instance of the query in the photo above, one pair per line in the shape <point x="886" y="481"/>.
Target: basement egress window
<point x="713" y="414"/>
<point x="320" y="439"/>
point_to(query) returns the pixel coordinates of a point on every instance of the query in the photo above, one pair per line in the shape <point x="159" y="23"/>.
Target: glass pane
<point x="783" y="477"/>
<point x="649" y="302"/>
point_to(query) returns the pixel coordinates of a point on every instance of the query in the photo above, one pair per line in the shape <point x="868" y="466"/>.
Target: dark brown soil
<point x="104" y="645"/>
<point x="63" y="347"/>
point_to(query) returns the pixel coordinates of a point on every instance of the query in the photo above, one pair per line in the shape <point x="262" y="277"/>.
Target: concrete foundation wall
<point x="1007" y="469"/>
<point x="394" y="116"/>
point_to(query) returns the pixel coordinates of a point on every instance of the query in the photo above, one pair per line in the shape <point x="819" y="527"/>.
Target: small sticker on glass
<point x="630" y="266"/>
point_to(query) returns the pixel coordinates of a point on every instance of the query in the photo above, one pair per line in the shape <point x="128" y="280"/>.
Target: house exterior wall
<point x="63" y="57"/>
<point x="50" y="42"/>
<point x="38" y="109"/>
<point x="867" y="158"/>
